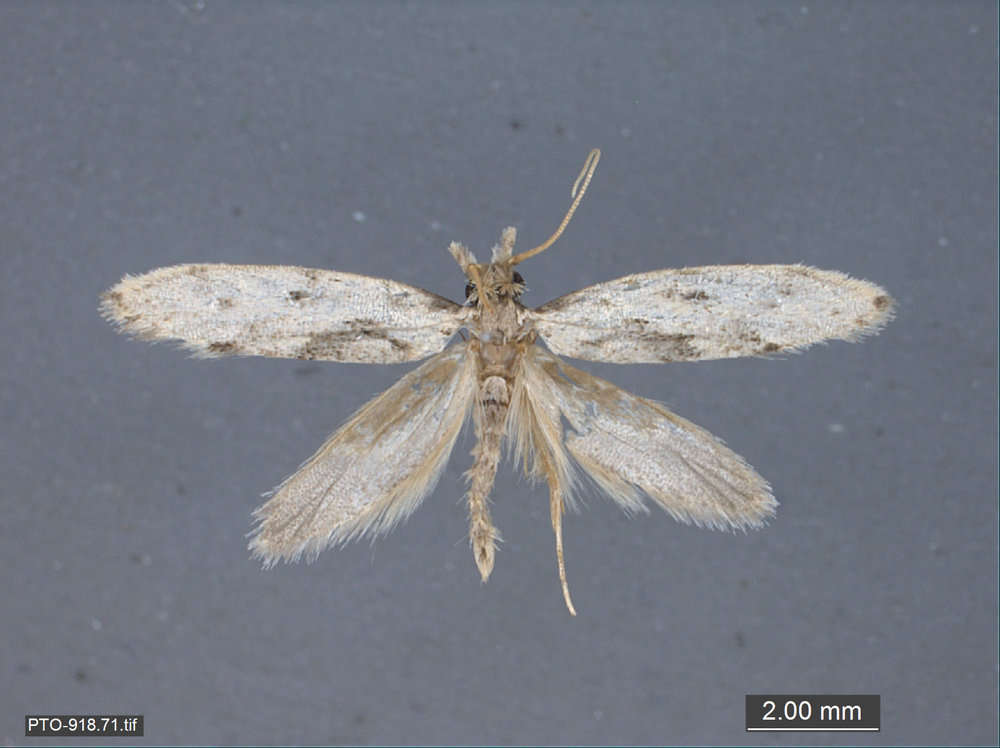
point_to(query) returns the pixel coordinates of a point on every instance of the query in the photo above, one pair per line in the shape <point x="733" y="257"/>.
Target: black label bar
<point x="826" y="712"/>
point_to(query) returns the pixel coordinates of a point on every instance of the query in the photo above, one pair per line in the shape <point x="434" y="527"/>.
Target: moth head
<point x="498" y="279"/>
<point x="494" y="281"/>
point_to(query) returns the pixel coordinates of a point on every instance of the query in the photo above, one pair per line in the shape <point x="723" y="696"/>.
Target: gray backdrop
<point x="365" y="137"/>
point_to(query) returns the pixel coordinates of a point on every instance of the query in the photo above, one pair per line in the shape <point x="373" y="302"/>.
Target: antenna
<point x="581" y="184"/>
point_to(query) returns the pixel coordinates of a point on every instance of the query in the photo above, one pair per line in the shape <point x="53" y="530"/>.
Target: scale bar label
<point x="813" y="712"/>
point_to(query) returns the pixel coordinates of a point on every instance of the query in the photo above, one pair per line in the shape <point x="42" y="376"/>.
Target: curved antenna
<point x="578" y="191"/>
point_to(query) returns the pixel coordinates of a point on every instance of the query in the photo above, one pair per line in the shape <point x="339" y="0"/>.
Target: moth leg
<point x="489" y="416"/>
<point x="556" y="509"/>
<point x="539" y="444"/>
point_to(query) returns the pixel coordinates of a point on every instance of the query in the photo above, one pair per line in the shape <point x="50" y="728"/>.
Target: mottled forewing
<point x="633" y="447"/>
<point x="376" y="469"/>
<point x="284" y="312"/>
<point x="717" y="311"/>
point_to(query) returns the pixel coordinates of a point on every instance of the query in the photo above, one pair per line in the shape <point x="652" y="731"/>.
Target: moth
<point x="560" y="422"/>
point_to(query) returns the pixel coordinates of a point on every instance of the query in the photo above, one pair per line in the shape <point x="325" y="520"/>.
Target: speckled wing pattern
<point x="284" y="312"/>
<point x="375" y="470"/>
<point x="632" y="447"/>
<point x="717" y="311"/>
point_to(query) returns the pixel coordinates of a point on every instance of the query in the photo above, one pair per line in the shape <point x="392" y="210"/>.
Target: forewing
<point x="376" y="469"/>
<point x="631" y="446"/>
<point x="284" y="312"/>
<point x="717" y="311"/>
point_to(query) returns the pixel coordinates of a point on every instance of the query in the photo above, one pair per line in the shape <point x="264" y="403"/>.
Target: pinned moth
<point x="377" y="468"/>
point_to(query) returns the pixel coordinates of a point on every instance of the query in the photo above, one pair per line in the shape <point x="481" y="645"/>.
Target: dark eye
<point x="469" y="288"/>
<point x="518" y="278"/>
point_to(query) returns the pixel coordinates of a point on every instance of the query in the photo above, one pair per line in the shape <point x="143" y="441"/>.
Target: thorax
<point x="499" y="337"/>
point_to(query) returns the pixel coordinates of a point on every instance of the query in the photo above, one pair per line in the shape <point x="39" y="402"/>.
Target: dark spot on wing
<point x="224" y="348"/>
<point x="298" y="295"/>
<point x="338" y="344"/>
<point x="881" y="302"/>
<point x="224" y="303"/>
<point x="327" y="345"/>
<point x="696" y="296"/>
<point x="770" y="348"/>
<point x="399" y="345"/>
<point x="668" y="346"/>
<point x="198" y="271"/>
<point x="673" y="347"/>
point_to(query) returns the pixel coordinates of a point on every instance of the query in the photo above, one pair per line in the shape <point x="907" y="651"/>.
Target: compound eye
<point x="469" y="288"/>
<point x="518" y="278"/>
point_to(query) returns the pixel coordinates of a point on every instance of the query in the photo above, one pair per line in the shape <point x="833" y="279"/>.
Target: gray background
<point x="365" y="137"/>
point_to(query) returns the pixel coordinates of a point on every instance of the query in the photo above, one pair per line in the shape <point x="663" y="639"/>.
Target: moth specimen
<point x="559" y="420"/>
